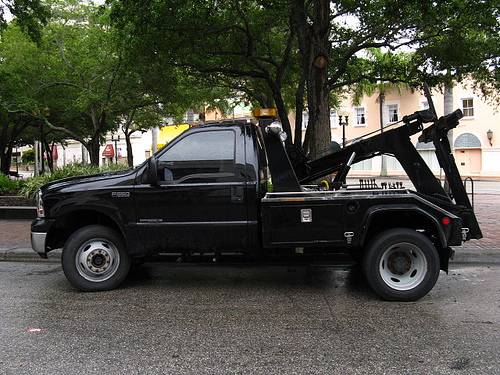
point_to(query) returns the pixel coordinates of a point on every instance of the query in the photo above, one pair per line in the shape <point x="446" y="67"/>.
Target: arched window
<point x="467" y="140"/>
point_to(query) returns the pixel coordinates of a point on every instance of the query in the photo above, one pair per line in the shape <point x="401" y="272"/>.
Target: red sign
<point x="109" y="151"/>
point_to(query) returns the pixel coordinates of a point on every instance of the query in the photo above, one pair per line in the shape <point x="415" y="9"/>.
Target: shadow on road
<point x="248" y="277"/>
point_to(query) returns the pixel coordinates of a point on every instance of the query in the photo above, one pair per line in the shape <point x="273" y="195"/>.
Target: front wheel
<point x="401" y="265"/>
<point x="94" y="259"/>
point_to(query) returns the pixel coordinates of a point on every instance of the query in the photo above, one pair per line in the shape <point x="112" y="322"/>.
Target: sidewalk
<point x="15" y="245"/>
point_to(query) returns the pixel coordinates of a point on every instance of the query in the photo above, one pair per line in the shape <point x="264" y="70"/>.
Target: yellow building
<point x="169" y="132"/>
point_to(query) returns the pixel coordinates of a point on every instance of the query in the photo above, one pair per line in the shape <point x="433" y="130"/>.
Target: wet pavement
<point x="254" y="320"/>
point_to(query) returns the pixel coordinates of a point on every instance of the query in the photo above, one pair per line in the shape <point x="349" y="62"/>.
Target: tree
<point x="317" y="47"/>
<point x="139" y="120"/>
<point x="80" y="79"/>
<point x="87" y="65"/>
<point x="105" y="80"/>
<point x="29" y="15"/>
<point x="245" y="46"/>
<point x="333" y="39"/>
<point x="19" y="63"/>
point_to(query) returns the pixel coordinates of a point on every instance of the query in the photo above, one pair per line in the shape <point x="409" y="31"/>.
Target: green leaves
<point x="32" y="185"/>
<point x="29" y="15"/>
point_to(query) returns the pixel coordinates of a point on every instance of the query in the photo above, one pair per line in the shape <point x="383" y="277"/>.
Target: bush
<point x="8" y="186"/>
<point x="31" y="185"/>
<point x="28" y="157"/>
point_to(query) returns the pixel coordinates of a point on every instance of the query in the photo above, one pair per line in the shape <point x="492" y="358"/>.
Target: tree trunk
<point x="319" y="114"/>
<point x="93" y="146"/>
<point x="4" y="152"/>
<point x="130" y="154"/>
<point x="318" y="93"/>
<point x="48" y="153"/>
<point x="283" y="115"/>
<point x="5" y="160"/>
<point x="299" y="109"/>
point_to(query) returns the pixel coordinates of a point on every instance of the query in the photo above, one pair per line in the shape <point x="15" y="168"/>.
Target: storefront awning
<point x="109" y="151"/>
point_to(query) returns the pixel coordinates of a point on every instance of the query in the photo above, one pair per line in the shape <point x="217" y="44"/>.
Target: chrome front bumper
<point x="38" y="242"/>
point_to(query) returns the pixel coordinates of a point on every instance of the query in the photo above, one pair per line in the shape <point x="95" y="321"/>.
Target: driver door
<point x="199" y="203"/>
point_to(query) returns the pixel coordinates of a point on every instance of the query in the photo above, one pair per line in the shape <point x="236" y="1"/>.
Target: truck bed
<point x="337" y="219"/>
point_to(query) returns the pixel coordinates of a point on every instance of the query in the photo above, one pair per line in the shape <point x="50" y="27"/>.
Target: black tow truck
<point x="232" y="188"/>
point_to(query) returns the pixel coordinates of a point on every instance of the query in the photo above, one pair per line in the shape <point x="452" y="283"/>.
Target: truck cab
<point x="230" y="188"/>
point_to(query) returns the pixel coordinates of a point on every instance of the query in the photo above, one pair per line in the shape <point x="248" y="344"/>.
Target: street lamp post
<point x="343" y="123"/>
<point x="17" y="160"/>
<point x="116" y="140"/>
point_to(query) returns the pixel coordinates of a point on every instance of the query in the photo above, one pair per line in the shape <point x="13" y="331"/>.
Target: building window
<point x="360" y="116"/>
<point x="334" y="123"/>
<point x="468" y="107"/>
<point x="393" y="112"/>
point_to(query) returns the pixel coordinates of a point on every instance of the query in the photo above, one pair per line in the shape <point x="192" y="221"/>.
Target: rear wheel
<point x="401" y="265"/>
<point x="94" y="259"/>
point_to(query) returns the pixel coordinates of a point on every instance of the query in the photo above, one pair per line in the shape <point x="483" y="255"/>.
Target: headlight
<point x="39" y="204"/>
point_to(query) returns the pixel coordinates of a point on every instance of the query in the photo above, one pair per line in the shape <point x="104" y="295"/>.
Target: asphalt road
<point x="256" y="320"/>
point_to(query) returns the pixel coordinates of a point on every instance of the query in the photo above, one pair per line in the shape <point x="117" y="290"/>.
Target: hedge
<point x="31" y="185"/>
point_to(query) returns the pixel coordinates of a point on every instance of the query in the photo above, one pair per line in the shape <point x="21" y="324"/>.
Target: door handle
<point x="237" y="193"/>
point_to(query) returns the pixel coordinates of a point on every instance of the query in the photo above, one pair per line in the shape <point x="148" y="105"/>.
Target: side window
<point x="200" y="157"/>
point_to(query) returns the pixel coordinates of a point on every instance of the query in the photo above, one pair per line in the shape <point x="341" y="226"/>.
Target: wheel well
<point x="382" y="221"/>
<point x="67" y="224"/>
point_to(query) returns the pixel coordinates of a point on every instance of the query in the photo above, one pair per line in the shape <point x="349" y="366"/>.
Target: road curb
<point x="17" y="213"/>
<point x="27" y="255"/>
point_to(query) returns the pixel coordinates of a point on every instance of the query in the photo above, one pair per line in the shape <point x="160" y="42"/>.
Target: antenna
<point x="428" y="96"/>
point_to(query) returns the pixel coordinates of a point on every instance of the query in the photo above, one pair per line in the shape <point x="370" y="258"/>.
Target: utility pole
<point x="116" y="140"/>
<point x="35" y="146"/>
<point x="154" y="139"/>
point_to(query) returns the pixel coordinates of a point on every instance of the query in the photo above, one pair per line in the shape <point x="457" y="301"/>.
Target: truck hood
<point x="57" y="185"/>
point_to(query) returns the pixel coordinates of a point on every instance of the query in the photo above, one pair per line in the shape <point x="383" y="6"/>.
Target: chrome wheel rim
<point x="97" y="260"/>
<point x="403" y="266"/>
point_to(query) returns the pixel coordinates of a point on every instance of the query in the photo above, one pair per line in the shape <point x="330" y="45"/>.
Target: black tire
<point x="407" y="248"/>
<point x="117" y="258"/>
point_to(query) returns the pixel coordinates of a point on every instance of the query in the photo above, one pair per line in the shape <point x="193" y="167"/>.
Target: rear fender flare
<point x="375" y="211"/>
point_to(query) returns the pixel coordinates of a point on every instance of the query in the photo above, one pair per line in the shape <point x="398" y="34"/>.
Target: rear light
<point x="446" y="220"/>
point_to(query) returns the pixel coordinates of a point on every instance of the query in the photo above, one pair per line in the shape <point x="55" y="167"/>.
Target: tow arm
<point x="396" y="142"/>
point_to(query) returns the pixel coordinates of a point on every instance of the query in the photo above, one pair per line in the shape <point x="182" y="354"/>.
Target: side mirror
<point x="152" y="171"/>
